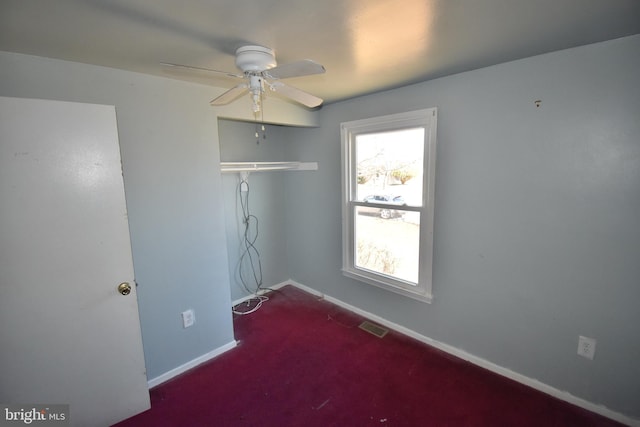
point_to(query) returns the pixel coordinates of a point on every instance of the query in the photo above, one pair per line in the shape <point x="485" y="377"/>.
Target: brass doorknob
<point x="124" y="288"/>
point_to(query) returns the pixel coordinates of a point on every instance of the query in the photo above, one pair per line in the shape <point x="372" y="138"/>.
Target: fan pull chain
<point x="264" y="133"/>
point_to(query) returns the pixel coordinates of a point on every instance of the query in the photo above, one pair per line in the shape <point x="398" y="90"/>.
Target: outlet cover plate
<point x="188" y="318"/>
<point x="586" y="347"/>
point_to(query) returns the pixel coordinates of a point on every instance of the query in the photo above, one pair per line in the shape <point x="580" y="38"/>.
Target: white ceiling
<point x="365" y="45"/>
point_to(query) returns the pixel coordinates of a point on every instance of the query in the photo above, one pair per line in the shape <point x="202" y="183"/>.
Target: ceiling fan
<point x="259" y="67"/>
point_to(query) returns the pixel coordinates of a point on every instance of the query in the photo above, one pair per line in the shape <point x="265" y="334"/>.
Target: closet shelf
<point x="227" y="167"/>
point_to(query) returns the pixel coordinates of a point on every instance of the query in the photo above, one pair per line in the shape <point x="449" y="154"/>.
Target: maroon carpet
<point x="304" y="362"/>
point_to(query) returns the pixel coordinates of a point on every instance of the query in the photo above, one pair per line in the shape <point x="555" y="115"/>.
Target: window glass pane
<point x="389" y="166"/>
<point x="387" y="241"/>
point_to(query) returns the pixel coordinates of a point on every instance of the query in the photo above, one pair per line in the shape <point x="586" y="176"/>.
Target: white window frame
<point x="426" y="118"/>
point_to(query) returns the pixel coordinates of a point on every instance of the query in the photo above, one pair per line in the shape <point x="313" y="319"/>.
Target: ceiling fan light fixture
<point x="256" y="88"/>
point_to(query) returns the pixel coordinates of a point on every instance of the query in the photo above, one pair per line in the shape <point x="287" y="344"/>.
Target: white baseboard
<point x="191" y="364"/>
<point x="478" y="361"/>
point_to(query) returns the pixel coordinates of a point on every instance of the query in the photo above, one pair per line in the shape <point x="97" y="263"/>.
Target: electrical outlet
<point x="188" y="318"/>
<point x="586" y="347"/>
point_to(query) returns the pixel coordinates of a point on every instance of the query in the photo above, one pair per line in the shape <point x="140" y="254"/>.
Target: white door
<point x="67" y="336"/>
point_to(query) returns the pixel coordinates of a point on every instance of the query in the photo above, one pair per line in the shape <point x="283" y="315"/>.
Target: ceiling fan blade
<point x="208" y="70"/>
<point x="297" y="95"/>
<point x="306" y="67"/>
<point x="231" y="95"/>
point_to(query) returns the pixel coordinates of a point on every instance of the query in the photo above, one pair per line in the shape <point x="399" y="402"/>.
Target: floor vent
<point x="376" y="330"/>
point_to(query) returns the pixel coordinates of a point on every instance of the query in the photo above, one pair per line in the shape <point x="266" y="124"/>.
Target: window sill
<point x="424" y="296"/>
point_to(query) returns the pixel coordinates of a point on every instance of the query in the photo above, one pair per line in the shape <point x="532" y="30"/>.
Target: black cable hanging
<point x="250" y="256"/>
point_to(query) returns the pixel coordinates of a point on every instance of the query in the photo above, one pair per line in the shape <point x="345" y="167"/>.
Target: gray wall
<point x="537" y="222"/>
<point x="266" y="201"/>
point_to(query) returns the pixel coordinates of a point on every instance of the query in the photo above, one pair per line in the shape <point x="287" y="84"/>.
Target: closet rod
<point x="267" y="166"/>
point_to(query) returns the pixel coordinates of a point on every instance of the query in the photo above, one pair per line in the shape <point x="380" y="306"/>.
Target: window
<point x="388" y="196"/>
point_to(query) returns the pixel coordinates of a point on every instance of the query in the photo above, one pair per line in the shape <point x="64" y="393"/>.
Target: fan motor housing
<point x="255" y="58"/>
